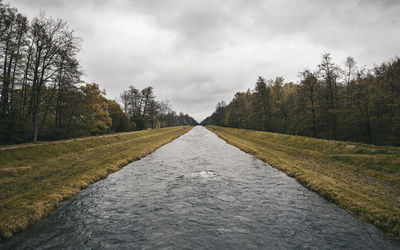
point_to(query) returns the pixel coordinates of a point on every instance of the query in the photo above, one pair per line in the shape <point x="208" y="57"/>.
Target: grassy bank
<point x="362" y="179"/>
<point x="35" y="178"/>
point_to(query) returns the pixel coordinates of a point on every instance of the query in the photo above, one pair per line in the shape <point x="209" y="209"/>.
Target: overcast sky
<point x="196" y="53"/>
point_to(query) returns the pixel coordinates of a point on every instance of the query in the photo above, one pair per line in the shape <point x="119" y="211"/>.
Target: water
<point x="199" y="192"/>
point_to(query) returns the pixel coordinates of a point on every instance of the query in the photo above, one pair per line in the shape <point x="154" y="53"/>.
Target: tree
<point x="164" y="108"/>
<point x="389" y="73"/>
<point x="147" y="97"/>
<point x="95" y="116"/>
<point x="50" y="37"/>
<point x="262" y="104"/>
<point x="329" y="73"/>
<point x="120" y="121"/>
<point x="309" y="83"/>
<point x="153" y="110"/>
<point x="13" y="38"/>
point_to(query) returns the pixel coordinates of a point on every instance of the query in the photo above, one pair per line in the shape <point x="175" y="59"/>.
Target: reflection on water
<point x="199" y="192"/>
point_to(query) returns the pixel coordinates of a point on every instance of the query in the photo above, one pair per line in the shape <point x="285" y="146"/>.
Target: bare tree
<point x="50" y="38"/>
<point x="329" y="72"/>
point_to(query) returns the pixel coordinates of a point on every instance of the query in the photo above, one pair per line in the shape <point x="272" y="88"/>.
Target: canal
<point x="199" y="192"/>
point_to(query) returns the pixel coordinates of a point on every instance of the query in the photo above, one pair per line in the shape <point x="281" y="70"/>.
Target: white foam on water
<point x="203" y="174"/>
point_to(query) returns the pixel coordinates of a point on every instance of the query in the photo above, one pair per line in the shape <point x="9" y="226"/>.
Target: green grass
<point x="35" y="178"/>
<point x="363" y="179"/>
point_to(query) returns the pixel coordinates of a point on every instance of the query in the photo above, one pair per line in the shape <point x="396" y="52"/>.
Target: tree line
<point x="333" y="102"/>
<point x="145" y="111"/>
<point x="42" y="95"/>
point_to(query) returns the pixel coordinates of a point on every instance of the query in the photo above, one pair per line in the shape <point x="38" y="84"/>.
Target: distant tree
<point x="147" y="98"/>
<point x="134" y="102"/>
<point x="120" y="121"/>
<point x="262" y="103"/>
<point x="145" y="111"/>
<point x="153" y="112"/>
<point x="164" y="109"/>
<point x="389" y="73"/>
<point x="309" y="83"/>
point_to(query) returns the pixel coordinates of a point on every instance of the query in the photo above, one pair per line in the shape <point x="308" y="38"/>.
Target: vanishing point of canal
<point x="199" y="192"/>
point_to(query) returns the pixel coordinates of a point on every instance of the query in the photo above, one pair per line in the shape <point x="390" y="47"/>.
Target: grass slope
<point x="35" y="178"/>
<point x="362" y="179"/>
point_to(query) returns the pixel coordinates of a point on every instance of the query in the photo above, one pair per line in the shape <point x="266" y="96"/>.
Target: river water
<point x="199" y="192"/>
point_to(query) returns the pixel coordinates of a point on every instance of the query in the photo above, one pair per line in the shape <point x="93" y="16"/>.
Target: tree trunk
<point x="4" y="92"/>
<point x="368" y="125"/>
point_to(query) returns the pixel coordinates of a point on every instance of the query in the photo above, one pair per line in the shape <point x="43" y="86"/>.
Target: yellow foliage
<point x="95" y="111"/>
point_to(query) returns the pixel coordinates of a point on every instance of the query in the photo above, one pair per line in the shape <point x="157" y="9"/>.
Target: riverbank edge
<point x="7" y="231"/>
<point x="308" y="181"/>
